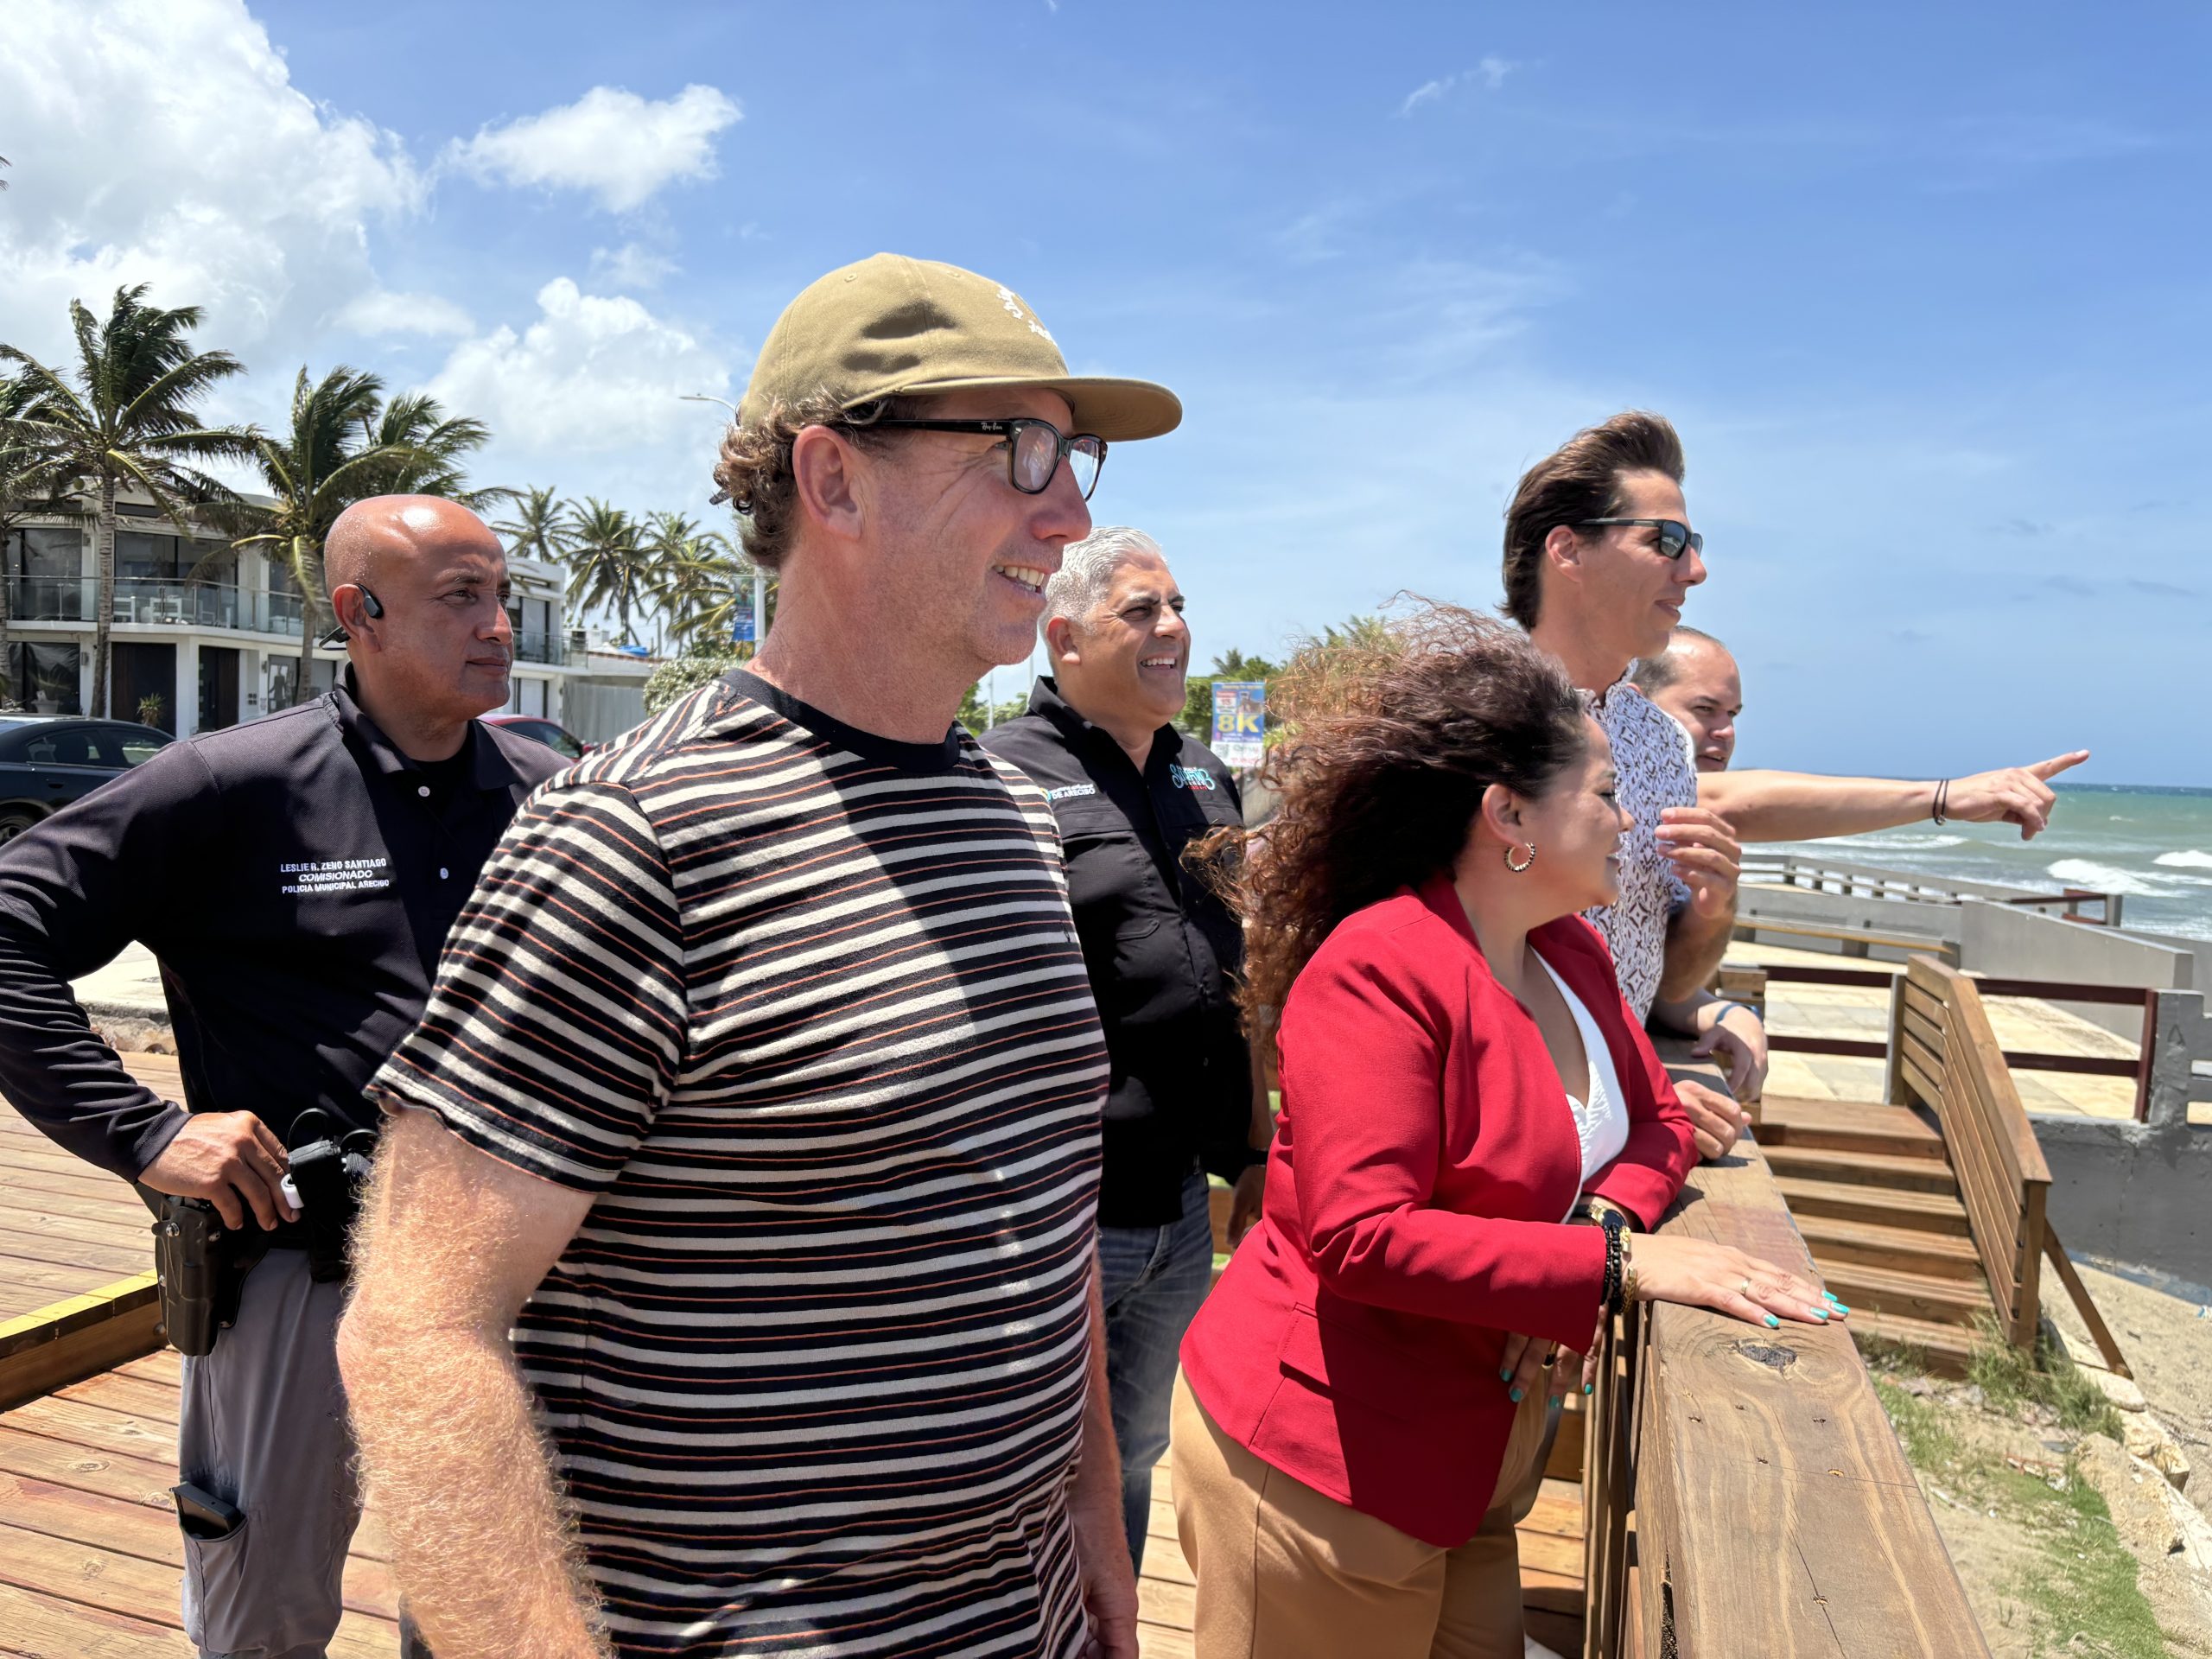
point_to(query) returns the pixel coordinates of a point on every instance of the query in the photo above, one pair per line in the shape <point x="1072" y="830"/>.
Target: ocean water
<point x="2153" y="845"/>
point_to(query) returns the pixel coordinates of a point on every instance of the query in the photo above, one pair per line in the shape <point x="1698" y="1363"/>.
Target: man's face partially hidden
<point x="1707" y="695"/>
<point x="1127" y="663"/>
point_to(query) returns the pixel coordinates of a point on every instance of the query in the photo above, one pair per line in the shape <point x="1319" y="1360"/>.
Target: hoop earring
<point x="1524" y="863"/>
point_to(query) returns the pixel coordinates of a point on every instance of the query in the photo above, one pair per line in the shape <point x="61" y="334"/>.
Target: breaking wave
<point x="1888" y="841"/>
<point x="2104" y="878"/>
<point x="2184" y="861"/>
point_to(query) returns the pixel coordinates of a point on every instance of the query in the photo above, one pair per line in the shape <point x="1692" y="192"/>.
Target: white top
<point x="1601" y="1121"/>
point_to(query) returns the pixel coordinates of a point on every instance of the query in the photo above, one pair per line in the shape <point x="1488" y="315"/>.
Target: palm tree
<point x="129" y="420"/>
<point x="607" y="560"/>
<point x="31" y="484"/>
<point x="429" y="446"/>
<point x="539" y="527"/>
<point x="697" y="577"/>
<point x="320" y="466"/>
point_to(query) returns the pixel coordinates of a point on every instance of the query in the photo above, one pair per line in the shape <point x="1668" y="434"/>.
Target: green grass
<point x="2082" y="1595"/>
<point x="2010" y="1377"/>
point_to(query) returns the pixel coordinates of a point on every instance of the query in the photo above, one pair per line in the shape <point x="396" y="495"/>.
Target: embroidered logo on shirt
<point x="333" y="876"/>
<point x="1070" y="792"/>
<point x="1191" y="776"/>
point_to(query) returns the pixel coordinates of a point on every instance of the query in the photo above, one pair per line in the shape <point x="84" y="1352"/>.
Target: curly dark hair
<point x="1390" y="740"/>
<point x="754" y="466"/>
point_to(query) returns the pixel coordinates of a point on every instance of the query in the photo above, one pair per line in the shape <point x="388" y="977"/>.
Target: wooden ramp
<point x="1877" y="1203"/>
<point x="77" y="1290"/>
<point x="90" y="1558"/>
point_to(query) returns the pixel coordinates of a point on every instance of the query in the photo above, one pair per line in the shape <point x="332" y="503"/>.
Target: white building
<point x="205" y="635"/>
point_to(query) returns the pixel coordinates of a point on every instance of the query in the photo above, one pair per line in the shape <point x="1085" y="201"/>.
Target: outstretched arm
<point x="451" y="1244"/>
<point x="1805" y="806"/>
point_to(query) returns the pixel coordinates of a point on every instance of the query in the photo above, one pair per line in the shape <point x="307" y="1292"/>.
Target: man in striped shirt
<point x="760" y="1091"/>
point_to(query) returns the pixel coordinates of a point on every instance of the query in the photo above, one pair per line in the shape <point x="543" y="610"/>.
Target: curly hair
<point x="1391" y="740"/>
<point x="754" y="466"/>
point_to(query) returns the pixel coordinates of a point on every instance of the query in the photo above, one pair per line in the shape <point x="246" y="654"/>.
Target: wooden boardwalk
<point x="89" y="1555"/>
<point x="77" y="1289"/>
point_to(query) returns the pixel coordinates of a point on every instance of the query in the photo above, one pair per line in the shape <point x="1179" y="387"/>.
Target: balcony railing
<point x="534" y="647"/>
<point x="154" y="600"/>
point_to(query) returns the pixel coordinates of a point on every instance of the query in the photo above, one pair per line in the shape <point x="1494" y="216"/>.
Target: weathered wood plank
<point x="1775" y="1509"/>
<point x="122" y="1393"/>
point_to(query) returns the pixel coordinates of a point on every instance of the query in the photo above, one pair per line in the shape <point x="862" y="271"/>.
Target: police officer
<point x="1130" y="793"/>
<point x="296" y="877"/>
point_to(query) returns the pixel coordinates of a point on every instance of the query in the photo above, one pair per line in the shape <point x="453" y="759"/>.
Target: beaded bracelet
<point x="1609" y="1292"/>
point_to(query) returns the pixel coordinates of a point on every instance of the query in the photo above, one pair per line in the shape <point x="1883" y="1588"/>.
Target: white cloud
<point x="595" y="373"/>
<point x="223" y="186"/>
<point x="620" y="146"/>
<point x="632" y="265"/>
<point x="380" y="311"/>
<point x="1490" y="73"/>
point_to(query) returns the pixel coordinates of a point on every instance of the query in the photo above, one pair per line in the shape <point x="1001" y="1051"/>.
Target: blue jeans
<point x="1152" y="1280"/>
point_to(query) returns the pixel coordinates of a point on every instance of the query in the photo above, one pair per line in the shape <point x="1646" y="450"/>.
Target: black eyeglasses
<point x="1034" y="449"/>
<point x="1674" y="535"/>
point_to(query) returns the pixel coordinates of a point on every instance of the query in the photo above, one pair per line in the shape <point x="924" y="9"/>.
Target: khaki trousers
<point x="1286" y="1572"/>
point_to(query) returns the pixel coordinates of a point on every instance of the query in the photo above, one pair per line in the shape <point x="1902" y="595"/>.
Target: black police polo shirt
<point x="296" y="877"/>
<point x="1160" y="947"/>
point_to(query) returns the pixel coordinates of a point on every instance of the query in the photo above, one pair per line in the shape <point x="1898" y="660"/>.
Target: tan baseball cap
<point x="895" y="326"/>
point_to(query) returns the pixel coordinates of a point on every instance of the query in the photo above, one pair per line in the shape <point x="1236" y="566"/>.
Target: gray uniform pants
<point x="263" y="1425"/>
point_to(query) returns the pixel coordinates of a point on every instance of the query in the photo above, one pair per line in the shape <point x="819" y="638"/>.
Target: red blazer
<point x="1423" y="1164"/>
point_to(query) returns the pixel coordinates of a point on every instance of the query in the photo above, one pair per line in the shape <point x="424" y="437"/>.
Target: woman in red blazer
<point x="1368" y="1385"/>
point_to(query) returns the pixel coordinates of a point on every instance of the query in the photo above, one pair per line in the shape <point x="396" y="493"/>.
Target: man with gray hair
<point x="1130" y="792"/>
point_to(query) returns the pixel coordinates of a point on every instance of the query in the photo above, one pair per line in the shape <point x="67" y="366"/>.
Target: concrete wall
<point x="2134" y="1193"/>
<point x="1903" y="916"/>
<point x="2016" y="944"/>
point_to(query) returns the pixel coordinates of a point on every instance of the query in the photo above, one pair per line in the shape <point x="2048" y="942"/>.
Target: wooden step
<point x="1946" y="1348"/>
<point x="1847" y="1126"/>
<point x="1933" y="1212"/>
<point x="1860" y="1168"/>
<point x="1908" y="1249"/>
<point x="1915" y="1296"/>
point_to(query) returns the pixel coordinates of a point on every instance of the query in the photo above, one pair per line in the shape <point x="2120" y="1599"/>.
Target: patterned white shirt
<point x="1653" y="754"/>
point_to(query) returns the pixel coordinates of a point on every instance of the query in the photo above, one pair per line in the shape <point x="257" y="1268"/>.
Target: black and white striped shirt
<point x="803" y="1008"/>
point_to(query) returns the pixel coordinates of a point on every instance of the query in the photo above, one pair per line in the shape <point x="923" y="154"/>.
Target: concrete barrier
<point x="1999" y="939"/>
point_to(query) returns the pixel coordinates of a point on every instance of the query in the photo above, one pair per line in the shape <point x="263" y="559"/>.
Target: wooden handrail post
<point x="1893" y="1088"/>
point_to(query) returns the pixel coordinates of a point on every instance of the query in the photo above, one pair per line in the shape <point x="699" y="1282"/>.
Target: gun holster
<point x="329" y="1172"/>
<point x="202" y="1266"/>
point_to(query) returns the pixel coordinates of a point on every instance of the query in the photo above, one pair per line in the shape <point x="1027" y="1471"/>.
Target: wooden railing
<point x="1944" y="1055"/>
<point x="1743" y="1492"/>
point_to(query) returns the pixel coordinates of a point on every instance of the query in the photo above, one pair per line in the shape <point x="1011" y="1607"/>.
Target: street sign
<point x="1240" y="721"/>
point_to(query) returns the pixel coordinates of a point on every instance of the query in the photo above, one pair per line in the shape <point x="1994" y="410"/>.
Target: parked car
<point x="550" y="733"/>
<point x="48" y="760"/>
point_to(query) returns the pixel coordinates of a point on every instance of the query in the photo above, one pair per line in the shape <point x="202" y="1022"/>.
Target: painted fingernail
<point x="1819" y="1314"/>
<point x="1514" y="1395"/>
<point x="1589" y="1387"/>
<point x="1505" y="1376"/>
<point x="1558" y="1400"/>
<point x="1773" y="1324"/>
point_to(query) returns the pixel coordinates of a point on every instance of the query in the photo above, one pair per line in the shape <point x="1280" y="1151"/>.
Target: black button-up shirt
<point x="296" y="877"/>
<point x="1159" y="945"/>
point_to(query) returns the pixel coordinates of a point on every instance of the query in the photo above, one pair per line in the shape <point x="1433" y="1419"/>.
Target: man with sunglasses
<point x="296" y="877"/>
<point x="760" y="1097"/>
<point x="1600" y="557"/>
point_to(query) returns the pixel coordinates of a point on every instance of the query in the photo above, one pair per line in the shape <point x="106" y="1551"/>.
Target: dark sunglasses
<point x="1674" y="535"/>
<point x="1034" y="449"/>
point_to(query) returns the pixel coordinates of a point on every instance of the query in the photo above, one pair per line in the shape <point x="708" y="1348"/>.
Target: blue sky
<point x="1924" y="287"/>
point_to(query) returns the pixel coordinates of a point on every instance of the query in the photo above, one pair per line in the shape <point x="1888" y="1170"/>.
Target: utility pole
<point x="759" y="577"/>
